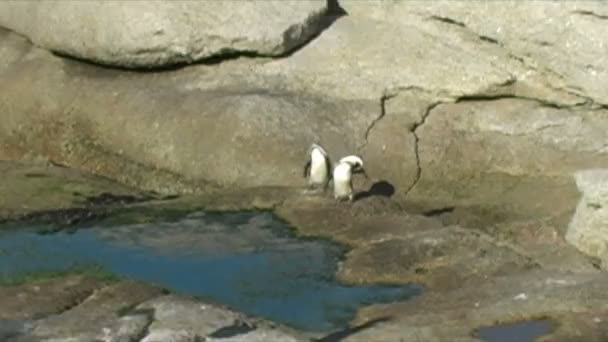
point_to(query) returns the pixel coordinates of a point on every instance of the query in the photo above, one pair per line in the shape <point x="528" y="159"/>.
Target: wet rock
<point x="440" y="258"/>
<point x="179" y="318"/>
<point x="81" y="308"/>
<point x="12" y="329"/>
<point x="104" y="315"/>
<point x="588" y="230"/>
<point x="157" y="34"/>
<point x="38" y="187"/>
<point x="455" y="315"/>
<point x="45" y="298"/>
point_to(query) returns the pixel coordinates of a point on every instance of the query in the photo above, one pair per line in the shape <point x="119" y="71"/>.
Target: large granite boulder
<point x="159" y="33"/>
<point x="588" y="230"/>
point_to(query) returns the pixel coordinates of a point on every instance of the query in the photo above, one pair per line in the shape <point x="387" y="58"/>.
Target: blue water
<point x="527" y="331"/>
<point x="248" y="260"/>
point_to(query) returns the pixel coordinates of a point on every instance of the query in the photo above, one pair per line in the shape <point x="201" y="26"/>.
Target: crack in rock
<point x="383" y="100"/>
<point x="590" y="14"/>
<point x="150" y="315"/>
<point x="447" y="20"/>
<point x="416" y="125"/>
<point x="510" y="54"/>
<point x="461" y="24"/>
<point x="495" y="97"/>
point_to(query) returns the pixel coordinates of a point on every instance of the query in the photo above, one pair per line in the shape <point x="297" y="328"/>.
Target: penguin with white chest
<point x="343" y="174"/>
<point x="318" y="168"/>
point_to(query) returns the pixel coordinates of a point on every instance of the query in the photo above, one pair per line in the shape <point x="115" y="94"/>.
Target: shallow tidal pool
<point x="251" y="261"/>
<point x="526" y="331"/>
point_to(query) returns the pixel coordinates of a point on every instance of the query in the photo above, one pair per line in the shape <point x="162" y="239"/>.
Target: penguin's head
<point x="317" y="147"/>
<point x="356" y="164"/>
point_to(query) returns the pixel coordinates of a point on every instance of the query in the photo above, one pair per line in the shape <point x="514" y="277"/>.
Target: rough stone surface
<point x="448" y="116"/>
<point x="179" y="318"/>
<point x="471" y="125"/>
<point x="588" y="230"/>
<point x="80" y="308"/>
<point x="35" y="187"/>
<point x="168" y="138"/>
<point x="99" y="316"/>
<point x="505" y="272"/>
<point x="493" y="150"/>
<point x="45" y="298"/>
<point x="160" y="33"/>
<point x="569" y="299"/>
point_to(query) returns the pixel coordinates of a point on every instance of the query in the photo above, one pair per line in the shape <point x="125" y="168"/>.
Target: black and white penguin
<point x="318" y="168"/>
<point x="342" y="177"/>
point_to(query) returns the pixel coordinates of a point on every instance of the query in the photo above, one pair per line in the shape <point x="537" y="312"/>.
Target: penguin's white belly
<point x="342" y="181"/>
<point x="318" y="173"/>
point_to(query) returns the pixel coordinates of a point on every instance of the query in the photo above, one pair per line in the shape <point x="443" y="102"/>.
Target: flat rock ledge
<point x="81" y="308"/>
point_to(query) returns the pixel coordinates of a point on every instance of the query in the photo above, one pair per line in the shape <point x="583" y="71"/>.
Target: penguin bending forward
<point x="342" y="177"/>
<point x="318" y="168"/>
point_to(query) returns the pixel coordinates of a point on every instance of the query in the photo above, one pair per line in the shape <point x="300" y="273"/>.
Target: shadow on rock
<point x="379" y="188"/>
<point x="344" y="333"/>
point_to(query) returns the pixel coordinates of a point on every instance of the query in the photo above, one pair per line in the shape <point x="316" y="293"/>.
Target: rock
<point x="492" y="151"/>
<point x="179" y="318"/>
<point x="442" y="259"/>
<point x="514" y="40"/>
<point x="588" y="230"/>
<point x="104" y="315"/>
<point x="82" y="308"/>
<point x="45" y="297"/>
<point x="156" y="33"/>
<point x="174" y="137"/>
<point x="448" y="115"/>
<point x="34" y="188"/>
<point x="572" y="300"/>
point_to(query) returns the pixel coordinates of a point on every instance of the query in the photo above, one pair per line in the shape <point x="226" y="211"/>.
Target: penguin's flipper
<point x="307" y="168"/>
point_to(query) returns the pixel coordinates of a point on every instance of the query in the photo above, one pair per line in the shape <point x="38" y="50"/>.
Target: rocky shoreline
<point x="473" y="278"/>
<point x="482" y="127"/>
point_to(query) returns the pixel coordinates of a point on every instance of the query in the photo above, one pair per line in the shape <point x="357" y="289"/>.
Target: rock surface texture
<point x="152" y="34"/>
<point x="472" y="119"/>
<point x="450" y="103"/>
<point x="588" y="230"/>
<point x="124" y="311"/>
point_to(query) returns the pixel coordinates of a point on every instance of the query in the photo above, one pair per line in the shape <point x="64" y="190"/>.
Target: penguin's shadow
<point x="380" y="188"/>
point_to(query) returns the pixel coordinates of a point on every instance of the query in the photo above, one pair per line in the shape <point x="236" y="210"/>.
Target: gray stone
<point x="483" y="150"/>
<point x="574" y="300"/>
<point x="565" y="51"/>
<point x="179" y="318"/>
<point x="588" y="230"/>
<point x="100" y="316"/>
<point x="159" y="134"/>
<point x="160" y="33"/>
<point x="448" y="102"/>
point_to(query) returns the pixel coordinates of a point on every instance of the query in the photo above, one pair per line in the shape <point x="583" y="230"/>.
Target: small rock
<point x="521" y="296"/>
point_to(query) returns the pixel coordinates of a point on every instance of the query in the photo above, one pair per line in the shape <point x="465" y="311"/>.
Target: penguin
<point x="342" y="177"/>
<point x="318" y="168"/>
